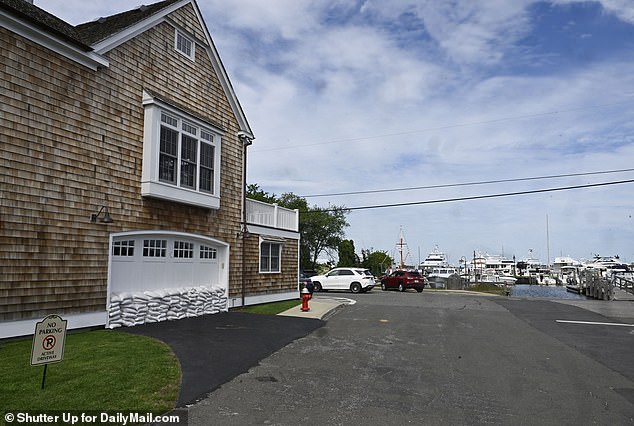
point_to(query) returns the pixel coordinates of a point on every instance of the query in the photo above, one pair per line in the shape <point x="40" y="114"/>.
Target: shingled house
<point x="123" y="151"/>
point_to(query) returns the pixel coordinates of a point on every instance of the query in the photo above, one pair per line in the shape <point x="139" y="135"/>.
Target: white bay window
<point x="181" y="156"/>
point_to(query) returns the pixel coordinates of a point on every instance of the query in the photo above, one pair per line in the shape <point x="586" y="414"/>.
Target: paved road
<point x="433" y="358"/>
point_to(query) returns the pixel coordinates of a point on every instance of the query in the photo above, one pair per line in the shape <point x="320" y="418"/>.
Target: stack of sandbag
<point x="114" y="311"/>
<point x="220" y="298"/>
<point x="176" y="307"/>
<point x="157" y="308"/>
<point x="128" y="309"/>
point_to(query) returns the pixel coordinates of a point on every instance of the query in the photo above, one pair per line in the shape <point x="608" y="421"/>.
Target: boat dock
<point x="593" y="284"/>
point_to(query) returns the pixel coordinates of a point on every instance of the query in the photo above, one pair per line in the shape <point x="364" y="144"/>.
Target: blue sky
<point x="348" y="96"/>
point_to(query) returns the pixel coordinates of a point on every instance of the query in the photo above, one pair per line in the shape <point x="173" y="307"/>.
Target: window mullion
<point x="179" y="158"/>
<point x="197" y="170"/>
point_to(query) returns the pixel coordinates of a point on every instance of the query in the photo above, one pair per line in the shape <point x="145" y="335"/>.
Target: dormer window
<point x="184" y="44"/>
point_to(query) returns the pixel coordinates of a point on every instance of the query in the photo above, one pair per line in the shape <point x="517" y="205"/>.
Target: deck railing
<point x="623" y="283"/>
<point x="272" y="215"/>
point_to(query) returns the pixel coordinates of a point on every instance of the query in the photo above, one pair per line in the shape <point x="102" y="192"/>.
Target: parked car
<point x="354" y="279"/>
<point x="402" y="280"/>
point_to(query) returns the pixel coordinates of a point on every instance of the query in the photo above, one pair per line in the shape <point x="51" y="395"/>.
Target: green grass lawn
<point x="270" y="308"/>
<point x="102" y="370"/>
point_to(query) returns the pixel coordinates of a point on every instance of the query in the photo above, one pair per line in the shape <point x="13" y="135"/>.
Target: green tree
<point x="254" y="192"/>
<point x="347" y="256"/>
<point x="320" y="229"/>
<point x="292" y="201"/>
<point x="376" y="261"/>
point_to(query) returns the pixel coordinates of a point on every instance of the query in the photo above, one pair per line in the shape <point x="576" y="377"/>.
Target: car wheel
<point x="317" y="286"/>
<point x="383" y="287"/>
<point x="401" y="287"/>
<point x="419" y="289"/>
<point x="355" y="287"/>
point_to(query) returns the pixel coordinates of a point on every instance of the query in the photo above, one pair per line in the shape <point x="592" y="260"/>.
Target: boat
<point x="442" y="272"/>
<point x="435" y="259"/>
<point x="495" y="277"/>
<point x="492" y="269"/>
<point x="573" y="289"/>
<point x="570" y="276"/>
<point x="530" y="270"/>
<point x="403" y="254"/>
<point x="608" y="265"/>
<point x="496" y="263"/>
<point x="437" y="269"/>
<point x="564" y="261"/>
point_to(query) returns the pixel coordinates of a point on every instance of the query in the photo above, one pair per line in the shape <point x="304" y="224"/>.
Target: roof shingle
<point x="89" y="33"/>
<point x="102" y="28"/>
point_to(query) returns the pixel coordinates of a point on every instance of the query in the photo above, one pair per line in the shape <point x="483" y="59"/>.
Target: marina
<point x="601" y="277"/>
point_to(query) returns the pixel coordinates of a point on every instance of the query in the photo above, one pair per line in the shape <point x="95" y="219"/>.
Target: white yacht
<point x="608" y="265"/>
<point x="435" y="259"/>
<point x="499" y="264"/>
<point x="442" y="272"/>
<point x="492" y="269"/>
<point x="563" y="261"/>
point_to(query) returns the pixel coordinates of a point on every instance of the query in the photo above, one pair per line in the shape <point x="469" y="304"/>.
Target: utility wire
<point x="451" y="185"/>
<point x="477" y="197"/>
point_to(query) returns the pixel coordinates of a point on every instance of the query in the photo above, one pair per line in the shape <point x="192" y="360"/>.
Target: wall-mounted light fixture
<point x="104" y="219"/>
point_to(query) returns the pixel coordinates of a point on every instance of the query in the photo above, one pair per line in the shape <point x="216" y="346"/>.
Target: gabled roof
<point x="98" y="37"/>
<point x="44" y="21"/>
<point x="102" y="28"/>
<point x="107" y="33"/>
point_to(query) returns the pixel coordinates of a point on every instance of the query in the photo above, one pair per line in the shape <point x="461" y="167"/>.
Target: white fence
<point x="259" y="213"/>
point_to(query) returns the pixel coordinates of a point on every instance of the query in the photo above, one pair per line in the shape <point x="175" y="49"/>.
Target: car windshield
<point x="366" y="272"/>
<point x="414" y="273"/>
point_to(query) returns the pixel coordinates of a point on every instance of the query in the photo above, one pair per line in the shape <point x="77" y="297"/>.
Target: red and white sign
<point x="48" y="340"/>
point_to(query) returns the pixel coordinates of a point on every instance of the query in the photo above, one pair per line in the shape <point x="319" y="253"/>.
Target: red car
<point x="402" y="280"/>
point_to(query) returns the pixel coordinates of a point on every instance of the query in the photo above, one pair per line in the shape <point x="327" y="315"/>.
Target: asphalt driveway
<point x="438" y="358"/>
<point x="213" y="349"/>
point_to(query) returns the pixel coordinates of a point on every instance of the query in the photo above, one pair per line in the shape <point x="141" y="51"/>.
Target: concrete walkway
<point x="320" y="307"/>
<point x="620" y="294"/>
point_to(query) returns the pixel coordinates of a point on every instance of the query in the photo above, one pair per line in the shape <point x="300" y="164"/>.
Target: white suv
<point x="354" y="279"/>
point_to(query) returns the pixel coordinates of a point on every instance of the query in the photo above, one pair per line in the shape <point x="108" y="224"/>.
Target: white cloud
<point x="345" y="97"/>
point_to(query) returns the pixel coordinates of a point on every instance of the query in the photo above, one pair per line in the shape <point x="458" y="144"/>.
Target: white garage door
<point x="156" y="260"/>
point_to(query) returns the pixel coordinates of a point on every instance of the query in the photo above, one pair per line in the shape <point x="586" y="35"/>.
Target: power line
<point x="451" y="185"/>
<point x="480" y="197"/>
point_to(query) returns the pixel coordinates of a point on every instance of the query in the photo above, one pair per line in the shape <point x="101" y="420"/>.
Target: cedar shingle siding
<point x="71" y="141"/>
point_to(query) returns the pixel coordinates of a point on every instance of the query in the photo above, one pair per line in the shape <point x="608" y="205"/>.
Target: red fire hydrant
<point x="305" y="299"/>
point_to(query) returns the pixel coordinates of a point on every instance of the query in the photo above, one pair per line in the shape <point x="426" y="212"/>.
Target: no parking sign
<point x="48" y="340"/>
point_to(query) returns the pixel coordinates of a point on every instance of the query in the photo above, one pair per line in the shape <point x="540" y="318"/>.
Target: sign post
<point x="48" y="342"/>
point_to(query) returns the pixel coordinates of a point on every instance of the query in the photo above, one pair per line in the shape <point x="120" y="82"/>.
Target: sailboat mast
<point x="547" y="241"/>
<point x="400" y="248"/>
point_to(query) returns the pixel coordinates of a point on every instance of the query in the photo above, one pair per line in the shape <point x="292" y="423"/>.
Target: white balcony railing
<point x="260" y="213"/>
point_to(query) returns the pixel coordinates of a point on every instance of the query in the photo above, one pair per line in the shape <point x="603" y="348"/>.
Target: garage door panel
<point x="148" y="263"/>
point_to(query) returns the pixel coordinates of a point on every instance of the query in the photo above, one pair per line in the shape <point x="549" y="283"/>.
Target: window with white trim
<point x="154" y="248"/>
<point x="184" y="44"/>
<point x="181" y="157"/>
<point x="270" y="253"/>
<point x="207" y="160"/>
<point x="207" y="252"/>
<point x="183" y="250"/>
<point x="123" y="248"/>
